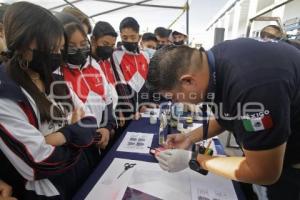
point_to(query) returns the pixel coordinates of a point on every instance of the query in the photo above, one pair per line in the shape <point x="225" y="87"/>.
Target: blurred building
<point x="233" y="20"/>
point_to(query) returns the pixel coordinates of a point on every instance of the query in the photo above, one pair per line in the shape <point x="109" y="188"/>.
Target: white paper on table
<point x="136" y="142"/>
<point x="211" y="187"/>
<point x="145" y="177"/>
<point x="150" y="179"/>
<point x="109" y="186"/>
<point x="149" y="110"/>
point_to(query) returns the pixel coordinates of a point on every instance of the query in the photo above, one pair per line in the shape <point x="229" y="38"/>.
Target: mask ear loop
<point x="90" y="52"/>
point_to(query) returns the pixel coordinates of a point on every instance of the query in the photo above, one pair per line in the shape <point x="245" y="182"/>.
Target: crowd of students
<point x="68" y="90"/>
<point x="66" y="96"/>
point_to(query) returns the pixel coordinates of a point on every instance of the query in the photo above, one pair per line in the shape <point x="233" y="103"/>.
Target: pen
<point x="207" y="148"/>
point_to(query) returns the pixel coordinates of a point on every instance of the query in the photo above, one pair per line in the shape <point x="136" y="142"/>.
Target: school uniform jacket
<point x="131" y="70"/>
<point x="90" y="85"/>
<point x="46" y="171"/>
<point x="109" y="73"/>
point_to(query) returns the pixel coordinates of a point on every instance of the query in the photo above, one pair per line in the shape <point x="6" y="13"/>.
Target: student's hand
<point x="145" y="107"/>
<point x="55" y="139"/>
<point x="178" y="141"/>
<point x="121" y="119"/>
<point x="5" y="190"/>
<point x="104" y="132"/>
<point x="77" y="115"/>
<point x="137" y="116"/>
<point x="174" y="160"/>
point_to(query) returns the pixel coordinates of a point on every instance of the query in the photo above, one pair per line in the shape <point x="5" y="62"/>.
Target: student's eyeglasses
<point x="72" y="50"/>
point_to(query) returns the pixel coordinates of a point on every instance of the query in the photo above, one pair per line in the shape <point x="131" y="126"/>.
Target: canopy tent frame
<point x="71" y="4"/>
<point x="260" y="17"/>
<point x="127" y="5"/>
<point x="119" y="8"/>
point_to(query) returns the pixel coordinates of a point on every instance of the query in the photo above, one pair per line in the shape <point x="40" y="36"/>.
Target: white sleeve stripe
<point x="23" y="146"/>
<point x="15" y="141"/>
<point x="25" y="170"/>
<point x="42" y="187"/>
<point x="16" y="124"/>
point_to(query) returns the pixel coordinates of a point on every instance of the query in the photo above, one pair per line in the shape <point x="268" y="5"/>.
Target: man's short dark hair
<point x="129" y="22"/>
<point x="174" y="33"/>
<point x="167" y="64"/>
<point x="149" y="37"/>
<point x="162" y="32"/>
<point x="271" y="32"/>
<point x="104" y="28"/>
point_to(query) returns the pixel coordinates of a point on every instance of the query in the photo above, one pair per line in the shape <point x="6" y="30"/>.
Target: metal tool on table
<point x="127" y="166"/>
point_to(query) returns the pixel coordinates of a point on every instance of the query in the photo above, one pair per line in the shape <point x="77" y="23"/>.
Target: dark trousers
<point x="288" y="186"/>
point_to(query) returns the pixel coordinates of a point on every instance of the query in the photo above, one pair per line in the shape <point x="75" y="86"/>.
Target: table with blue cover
<point x="144" y="126"/>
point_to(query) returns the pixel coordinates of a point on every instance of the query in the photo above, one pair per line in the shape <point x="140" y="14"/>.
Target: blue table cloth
<point x="144" y="126"/>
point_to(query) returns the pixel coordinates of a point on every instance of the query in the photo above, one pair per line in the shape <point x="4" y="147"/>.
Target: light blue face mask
<point x="149" y="52"/>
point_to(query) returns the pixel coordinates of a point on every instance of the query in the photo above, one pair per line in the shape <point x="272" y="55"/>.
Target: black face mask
<point x="104" y="52"/>
<point x="160" y="46"/>
<point x="39" y="59"/>
<point x="179" y="42"/>
<point x="78" y="57"/>
<point x="131" y="46"/>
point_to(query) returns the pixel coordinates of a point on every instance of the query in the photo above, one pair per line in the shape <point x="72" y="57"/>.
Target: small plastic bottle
<point x="179" y="109"/>
<point x="153" y="118"/>
<point x="180" y="125"/>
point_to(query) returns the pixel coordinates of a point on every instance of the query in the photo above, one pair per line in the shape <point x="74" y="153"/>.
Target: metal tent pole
<point x="187" y="20"/>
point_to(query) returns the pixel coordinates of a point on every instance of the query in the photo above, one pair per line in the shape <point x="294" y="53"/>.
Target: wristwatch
<point x="194" y="164"/>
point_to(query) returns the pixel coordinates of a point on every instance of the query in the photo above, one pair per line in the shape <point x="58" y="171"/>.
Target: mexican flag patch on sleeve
<point x="257" y="123"/>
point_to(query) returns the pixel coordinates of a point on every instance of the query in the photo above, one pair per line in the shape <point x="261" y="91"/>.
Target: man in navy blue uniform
<point x="253" y="88"/>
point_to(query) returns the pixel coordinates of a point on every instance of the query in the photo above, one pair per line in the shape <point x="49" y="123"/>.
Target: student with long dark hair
<point x="2" y="43"/>
<point x="87" y="79"/>
<point x="44" y="134"/>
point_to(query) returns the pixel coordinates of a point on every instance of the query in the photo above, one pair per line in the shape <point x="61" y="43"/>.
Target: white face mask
<point x="149" y="52"/>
